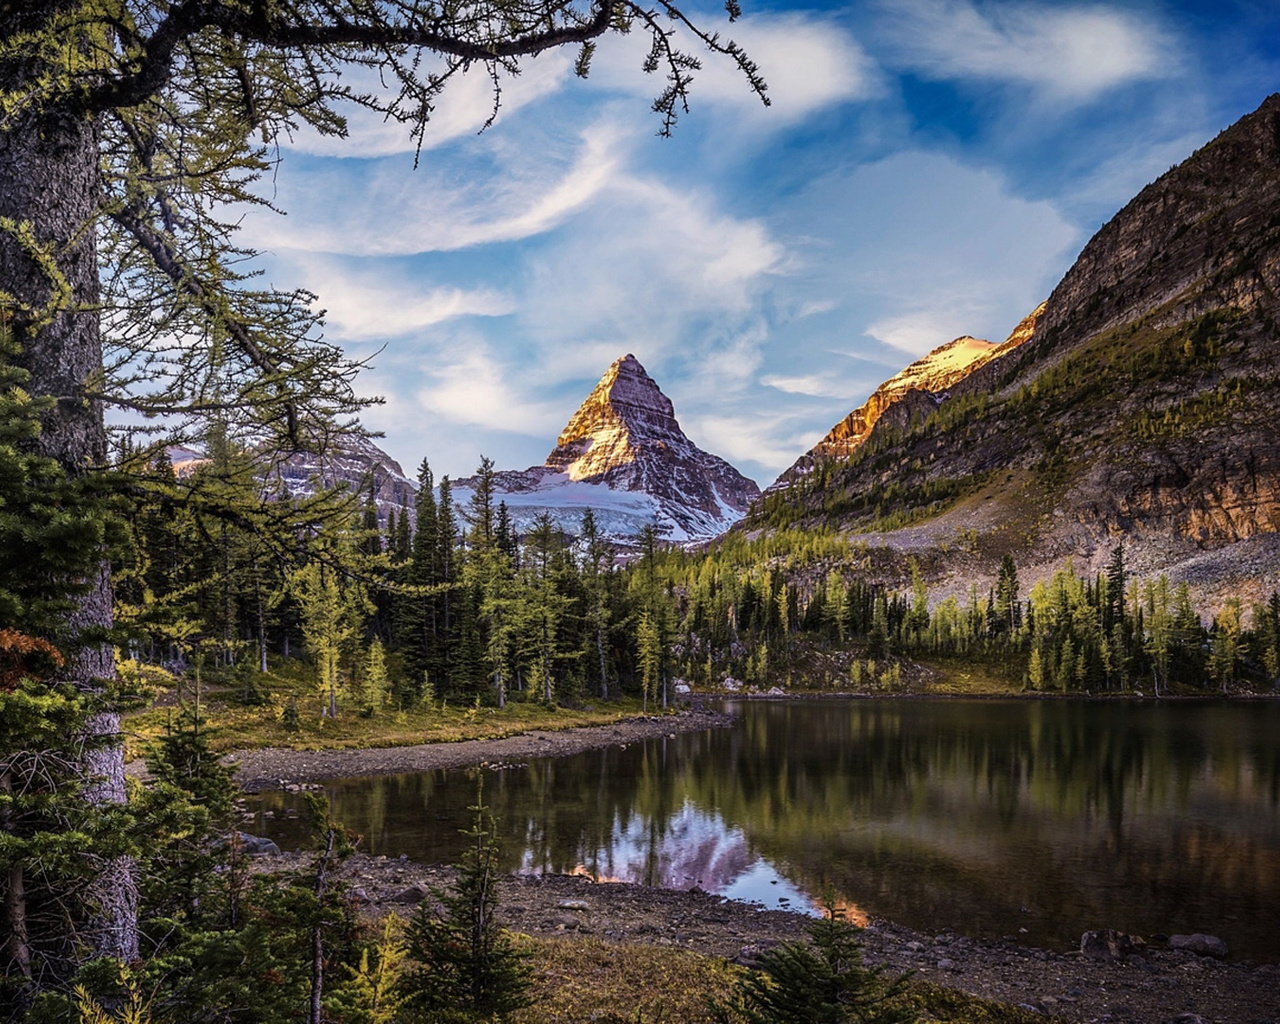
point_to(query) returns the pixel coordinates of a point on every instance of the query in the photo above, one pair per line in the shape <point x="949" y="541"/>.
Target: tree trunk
<point x="604" y="676"/>
<point x="17" y="947"/>
<point x="51" y="190"/>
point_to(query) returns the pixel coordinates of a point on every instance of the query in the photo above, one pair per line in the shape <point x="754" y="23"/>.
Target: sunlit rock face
<point x="623" y="455"/>
<point x="929" y="377"/>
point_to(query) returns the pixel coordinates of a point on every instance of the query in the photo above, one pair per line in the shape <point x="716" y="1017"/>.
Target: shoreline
<point x="1157" y="986"/>
<point x="273" y="768"/>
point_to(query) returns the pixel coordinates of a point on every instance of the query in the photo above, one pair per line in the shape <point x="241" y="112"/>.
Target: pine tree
<point x="594" y="558"/>
<point x="822" y="981"/>
<point x="129" y="129"/>
<point x="465" y="967"/>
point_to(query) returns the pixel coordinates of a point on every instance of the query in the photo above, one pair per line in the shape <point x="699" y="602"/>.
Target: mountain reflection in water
<point x="1038" y="819"/>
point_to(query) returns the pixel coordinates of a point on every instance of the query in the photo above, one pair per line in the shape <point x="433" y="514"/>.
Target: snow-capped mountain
<point x="356" y="462"/>
<point x="624" y="456"/>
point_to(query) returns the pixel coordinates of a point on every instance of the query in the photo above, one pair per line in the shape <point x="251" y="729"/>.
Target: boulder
<point x="256" y="846"/>
<point x="1109" y="944"/>
<point x="1201" y="945"/>
<point x="415" y="893"/>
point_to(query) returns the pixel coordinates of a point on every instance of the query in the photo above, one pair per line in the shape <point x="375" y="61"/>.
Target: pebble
<point x="946" y="965"/>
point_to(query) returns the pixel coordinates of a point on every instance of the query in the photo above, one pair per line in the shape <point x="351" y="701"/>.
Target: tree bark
<point x="50" y="195"/>
<point x="17" y="945"/>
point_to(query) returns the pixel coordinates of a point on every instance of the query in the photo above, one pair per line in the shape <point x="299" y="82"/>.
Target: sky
<point x="927" y="169"/>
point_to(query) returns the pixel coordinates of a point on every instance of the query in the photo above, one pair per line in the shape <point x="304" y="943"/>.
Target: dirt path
<point x="276" y="768"/>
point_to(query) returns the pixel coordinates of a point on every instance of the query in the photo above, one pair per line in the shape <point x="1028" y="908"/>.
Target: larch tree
<point x="125" y="127"/>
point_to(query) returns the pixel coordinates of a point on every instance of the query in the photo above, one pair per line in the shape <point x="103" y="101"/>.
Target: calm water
<point x="1036" y="819"/>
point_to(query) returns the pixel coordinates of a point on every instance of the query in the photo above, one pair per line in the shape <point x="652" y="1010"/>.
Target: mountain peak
<point x="624" y="410"/>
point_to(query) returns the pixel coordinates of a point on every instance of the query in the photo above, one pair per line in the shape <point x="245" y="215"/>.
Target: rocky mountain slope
<point x="930" y="376"/>
<point x="624" y="455"/>
<point x="354" y="462"/>
<point x="1143" y="407"/>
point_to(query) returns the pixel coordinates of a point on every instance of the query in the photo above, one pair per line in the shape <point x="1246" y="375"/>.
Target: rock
<point x="1201" y="945"/>
<point x="415" y="893"/>
<point x="946" y="965"/>
<point x="257" y="846"/>
<point x="1109" y="944"/>
<point x="915" y="947"/>
<point x="1188" y="1018"/>
<point x="574" y="905"/>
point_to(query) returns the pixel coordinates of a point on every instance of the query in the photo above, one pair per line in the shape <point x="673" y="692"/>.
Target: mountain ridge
<point x="1141" y="409"/>
<point x="622" y="442"/>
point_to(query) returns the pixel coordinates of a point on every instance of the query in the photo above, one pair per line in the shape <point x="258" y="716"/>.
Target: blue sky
<point x="929" y="168"/>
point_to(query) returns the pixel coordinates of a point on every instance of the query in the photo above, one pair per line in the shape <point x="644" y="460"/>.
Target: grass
<point x="586" y="979"/>
<point x="965" y="676"/>
<point x="232" y="724"/>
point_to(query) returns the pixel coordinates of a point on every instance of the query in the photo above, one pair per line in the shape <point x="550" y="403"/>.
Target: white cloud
<point x="808" y="62"/>
<point x="919" y="332"/>
<point x="1071" y="53"/>
<point x="367" y="303"/>
<point x="380" y="208"/>
<point x="924" y="249"/>
<point x="644" y="265"/>
<point x="768" y="440"/>
<point x="814" y="385"/>
<point x="474" y="389"/>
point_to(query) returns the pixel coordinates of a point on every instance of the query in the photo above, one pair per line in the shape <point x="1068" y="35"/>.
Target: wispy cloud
<point x="814" y="385"/>
<point x="364" y="303"/>
<point x="476" y="388"/>
<point x="380" y="208"/>
<point x="809" y="62"/>
<point x="762" y="441"/>
<point x="1069" y="52"/>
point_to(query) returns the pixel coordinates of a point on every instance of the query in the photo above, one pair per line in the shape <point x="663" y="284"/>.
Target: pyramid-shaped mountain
<point x="624" y="456"/>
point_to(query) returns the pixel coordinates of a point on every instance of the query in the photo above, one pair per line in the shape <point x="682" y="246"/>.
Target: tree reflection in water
<point x="989" y="817"/>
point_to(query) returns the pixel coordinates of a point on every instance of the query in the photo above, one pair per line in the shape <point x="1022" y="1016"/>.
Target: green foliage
<point x="465" y="966"/>
<point x="372" y="992"/>
<point x="54" y="529"/>
<point x="822" y="981"/>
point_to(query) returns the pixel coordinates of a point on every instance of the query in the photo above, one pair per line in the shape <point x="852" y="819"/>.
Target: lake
<point x="1037" y="819"/>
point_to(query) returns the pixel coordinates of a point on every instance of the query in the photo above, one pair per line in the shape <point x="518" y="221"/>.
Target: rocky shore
<point x="1156" y="986"/>
<point x="276" y="768"/>
<point x="1152" y="985"/>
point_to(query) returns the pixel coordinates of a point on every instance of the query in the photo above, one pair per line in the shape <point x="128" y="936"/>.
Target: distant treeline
<point x="448" y="603"/>
<point x="744" y="606"/>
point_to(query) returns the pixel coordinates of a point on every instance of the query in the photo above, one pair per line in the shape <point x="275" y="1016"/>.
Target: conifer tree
<point x="822" y="981"/>
<point x="594" y="558"/>
<point x="128" y="128"/>
<point x="465" y="967"/>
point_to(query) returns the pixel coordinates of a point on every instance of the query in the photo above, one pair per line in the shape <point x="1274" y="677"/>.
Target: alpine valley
<point x="1138" y="404"/>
